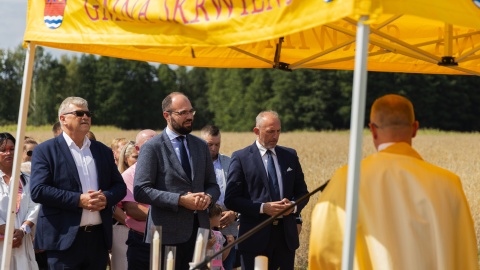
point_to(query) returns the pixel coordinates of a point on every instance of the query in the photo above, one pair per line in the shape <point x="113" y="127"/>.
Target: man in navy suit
<point x="263" y="180"/>
<point x="175" y="176"/>
<point x="77" y="184"/>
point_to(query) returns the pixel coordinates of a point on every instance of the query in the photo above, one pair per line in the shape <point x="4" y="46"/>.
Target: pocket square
<point x="289" y="169"/>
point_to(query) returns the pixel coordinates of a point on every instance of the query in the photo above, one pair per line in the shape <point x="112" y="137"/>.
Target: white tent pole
<point x="22" y="121"/>
<point x="356" y="138"/>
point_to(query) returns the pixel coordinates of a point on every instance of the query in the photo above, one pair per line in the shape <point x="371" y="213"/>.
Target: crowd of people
<point x="83" y="205"/>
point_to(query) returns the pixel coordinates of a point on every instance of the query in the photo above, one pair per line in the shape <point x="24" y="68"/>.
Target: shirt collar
<point x="384" y="146"/>
<point x="70" y="142"/>
<point x="172" y="135"/>
<point x="263" y="150"/>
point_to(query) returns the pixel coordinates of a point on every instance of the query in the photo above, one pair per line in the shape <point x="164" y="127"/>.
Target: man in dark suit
<point x="263" y="180"/>
<point x="175" y="176"/>
<point x="228" y="222"/>
<point x="77" y="183"/>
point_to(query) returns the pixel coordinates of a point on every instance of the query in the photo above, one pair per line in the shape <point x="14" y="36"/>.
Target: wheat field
<point x="321" y="153"/>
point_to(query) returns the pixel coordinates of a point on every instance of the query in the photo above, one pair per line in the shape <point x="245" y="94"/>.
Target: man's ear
<point x="166" y="115"/>
<point x="416" y="125"/>
<point x="61" y="118"/>
<point x="256" y="130"/>
<point x="374" y="131"/>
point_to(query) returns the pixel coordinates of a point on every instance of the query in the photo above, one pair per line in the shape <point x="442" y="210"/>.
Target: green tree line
<point x="128" y="94"/>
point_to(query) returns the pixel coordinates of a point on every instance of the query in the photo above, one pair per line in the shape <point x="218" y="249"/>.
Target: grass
<point x="321" y="153"/>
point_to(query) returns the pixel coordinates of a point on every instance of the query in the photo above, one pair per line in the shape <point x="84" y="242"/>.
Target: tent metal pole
<point x="467" y="71"/>
<point x="356" y="138"/>
<point x="252" y="55"/>
<point x="395" y="45"/>
<point x="467" y="54"/>
<point x="334" y="48"/>
<point x="22" y="121"/>
<point x="315" y="56"/>
<point x="448" y="40"/>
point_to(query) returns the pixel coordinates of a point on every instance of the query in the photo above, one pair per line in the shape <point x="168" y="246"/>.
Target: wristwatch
<point x="26" y="229"/>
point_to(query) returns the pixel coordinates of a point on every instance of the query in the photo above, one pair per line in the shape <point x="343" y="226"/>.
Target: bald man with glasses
<point x="175" y="176"/>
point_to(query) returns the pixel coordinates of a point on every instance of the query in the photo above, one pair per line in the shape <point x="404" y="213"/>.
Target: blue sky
<point x="12" y="22"/>
<point x="13" y="15"/>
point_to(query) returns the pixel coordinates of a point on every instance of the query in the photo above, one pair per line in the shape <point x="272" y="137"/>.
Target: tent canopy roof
<point x="289" y="34"/>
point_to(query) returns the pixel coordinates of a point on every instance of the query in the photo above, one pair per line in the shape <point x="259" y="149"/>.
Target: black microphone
<point x="203" y="264"/>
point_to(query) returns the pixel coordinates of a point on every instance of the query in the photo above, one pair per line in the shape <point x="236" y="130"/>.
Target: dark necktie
<point x="272" y="177"/>
<point x="184" y="158"/>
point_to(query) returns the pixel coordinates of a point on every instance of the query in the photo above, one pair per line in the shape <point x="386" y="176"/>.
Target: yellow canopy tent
<point x="417" y="36"/>
<point x="406" y="36"/>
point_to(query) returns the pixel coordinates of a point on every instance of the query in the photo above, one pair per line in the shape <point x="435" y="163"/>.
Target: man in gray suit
<point x="228" y="222"/>
<point x="175" y="177"/>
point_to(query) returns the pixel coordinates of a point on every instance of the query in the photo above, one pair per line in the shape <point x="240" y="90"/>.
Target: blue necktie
<point x="184" y="158"/>
<point x="272" y="177"/>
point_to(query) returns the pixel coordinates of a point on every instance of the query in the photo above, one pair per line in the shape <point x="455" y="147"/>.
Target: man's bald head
<point x="392" y="110"/>
<point x="392" y="119"/>
<point x="143" y="136"/>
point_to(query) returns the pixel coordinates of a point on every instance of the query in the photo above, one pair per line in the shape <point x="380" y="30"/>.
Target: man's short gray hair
<point x="77" y="101"/>
<point x="261" y="117"/>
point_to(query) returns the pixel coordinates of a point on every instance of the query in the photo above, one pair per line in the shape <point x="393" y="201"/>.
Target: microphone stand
<point x="203" y="264"/>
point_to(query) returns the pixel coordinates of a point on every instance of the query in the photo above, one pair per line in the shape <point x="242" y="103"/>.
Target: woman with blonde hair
<point x="128" y="156"/>
<point x="116" y="146"/>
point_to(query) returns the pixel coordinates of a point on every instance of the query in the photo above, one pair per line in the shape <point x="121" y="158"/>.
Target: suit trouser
<point x="230" y="260"/>
<point x="88" y="251"/>
<point x="138" y="252"/>
<point x="184" y="251"/>
<point x="277" y="252"/>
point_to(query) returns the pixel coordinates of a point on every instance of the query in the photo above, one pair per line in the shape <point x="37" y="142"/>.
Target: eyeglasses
<point x="80" y="113"/>
<point x="29" y="153"/>
<point x="183" y="113"/>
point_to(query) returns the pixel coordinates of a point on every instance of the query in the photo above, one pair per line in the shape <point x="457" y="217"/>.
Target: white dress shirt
<point x="263" y="153"/>
<point x="87" y="172"/>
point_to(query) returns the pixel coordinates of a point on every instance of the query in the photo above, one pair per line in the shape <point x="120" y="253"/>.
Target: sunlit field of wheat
<point x="321" y="153"/>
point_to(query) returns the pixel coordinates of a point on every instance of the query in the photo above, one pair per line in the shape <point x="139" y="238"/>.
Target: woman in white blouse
<point x="23" y="256"/>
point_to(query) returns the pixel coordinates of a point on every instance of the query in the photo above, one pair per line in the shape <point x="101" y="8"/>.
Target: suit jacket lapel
<point x="193" y="148"/>
<point x="257" y="160"/>
<point x="225" y="163"/>
<point x="282" y="163"/>
<point x="65" y="153"/>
